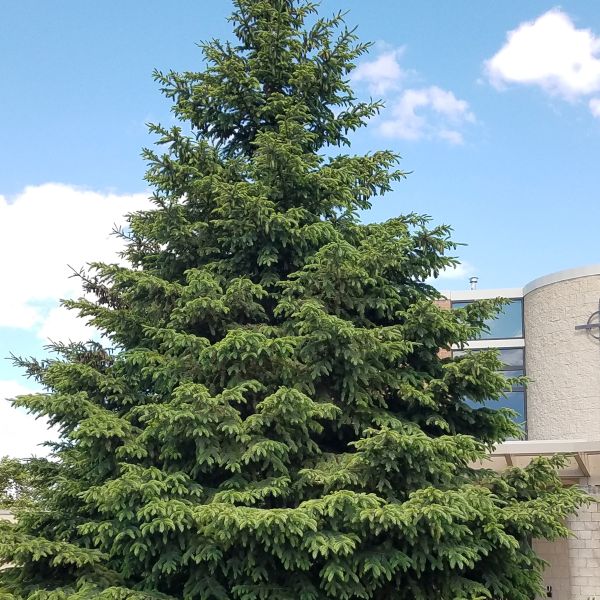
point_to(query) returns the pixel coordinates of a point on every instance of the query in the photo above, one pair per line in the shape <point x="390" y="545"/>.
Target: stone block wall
<point x="557" y="574"/>
<point x="584" y="553"/>
<point x="573" y="572"/>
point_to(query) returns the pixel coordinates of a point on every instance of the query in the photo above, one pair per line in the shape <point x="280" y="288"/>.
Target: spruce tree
<point x="269" y="415"/>
<point x="19" y="481"/>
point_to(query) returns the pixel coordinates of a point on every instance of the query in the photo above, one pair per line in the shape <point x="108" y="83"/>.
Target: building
<point x="550" y="331"/>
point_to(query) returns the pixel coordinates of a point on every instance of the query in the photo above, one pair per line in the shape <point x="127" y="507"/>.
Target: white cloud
<point x="452" y="276"/>
<point x="63" y="325"/>
<point x="454" y="137"/>
<point x="423" y="113"/>
<point x="381" y="74"/>
<point x="551" y="53"/>
<point x="20" y="432"/>
<point x="594" y="105"/>
<point x="429" y="112"/>
<point x="461" y="271"/>
<point x="42" y="231"/>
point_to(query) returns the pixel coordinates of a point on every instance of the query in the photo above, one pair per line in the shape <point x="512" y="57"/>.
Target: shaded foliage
<point x="21" y="482"/>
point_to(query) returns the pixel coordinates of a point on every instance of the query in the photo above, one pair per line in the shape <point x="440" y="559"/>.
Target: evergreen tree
<point x="270" y="416"/>
<point x="20" y="481"/>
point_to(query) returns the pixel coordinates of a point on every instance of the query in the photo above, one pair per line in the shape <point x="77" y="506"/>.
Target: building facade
<point x="550" y="332"/>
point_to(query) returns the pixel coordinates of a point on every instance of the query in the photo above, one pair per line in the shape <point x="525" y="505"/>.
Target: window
<point x="513" y="365"/>
<point x="507" y="324"/>
<point x="512" y="358"/>
<point x="516" y="401"/>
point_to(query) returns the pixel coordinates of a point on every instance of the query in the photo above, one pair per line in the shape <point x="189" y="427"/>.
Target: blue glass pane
<point x="516" y="373"/>
<point x="514" y="400"/>
<point x="512" y="358"/>
<point x="507" y="324"/>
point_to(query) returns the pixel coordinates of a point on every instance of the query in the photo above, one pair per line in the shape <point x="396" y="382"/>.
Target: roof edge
<point x="564" y="275"/>
<point x="481" y="294"/>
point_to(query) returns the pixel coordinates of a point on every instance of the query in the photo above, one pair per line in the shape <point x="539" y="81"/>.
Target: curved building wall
<point x="563" y="365"/>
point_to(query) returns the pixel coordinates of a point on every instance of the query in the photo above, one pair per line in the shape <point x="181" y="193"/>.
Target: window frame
<point x="496" y="339"/>
<point x="524" y="390"/>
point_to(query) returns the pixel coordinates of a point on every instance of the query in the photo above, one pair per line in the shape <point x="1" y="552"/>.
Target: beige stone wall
<point x="446" y="305"/>
<point x="563" y="398"/>
<point x="5" y="516"/>
<point x="573" y="571"/>
<point x="584" y="553"/>
<point x="557" y="574"/>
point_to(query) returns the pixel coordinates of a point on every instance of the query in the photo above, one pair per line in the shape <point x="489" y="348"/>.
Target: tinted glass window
<point x="513" y="366"/>
<point x="514" y="400"/>
<point x="512" y="358"/>
<point x="507" y="324"/>
<point x="514" y="374"/>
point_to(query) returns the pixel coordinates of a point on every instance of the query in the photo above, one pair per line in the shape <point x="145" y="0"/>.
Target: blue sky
<point x="495" y="108"/>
